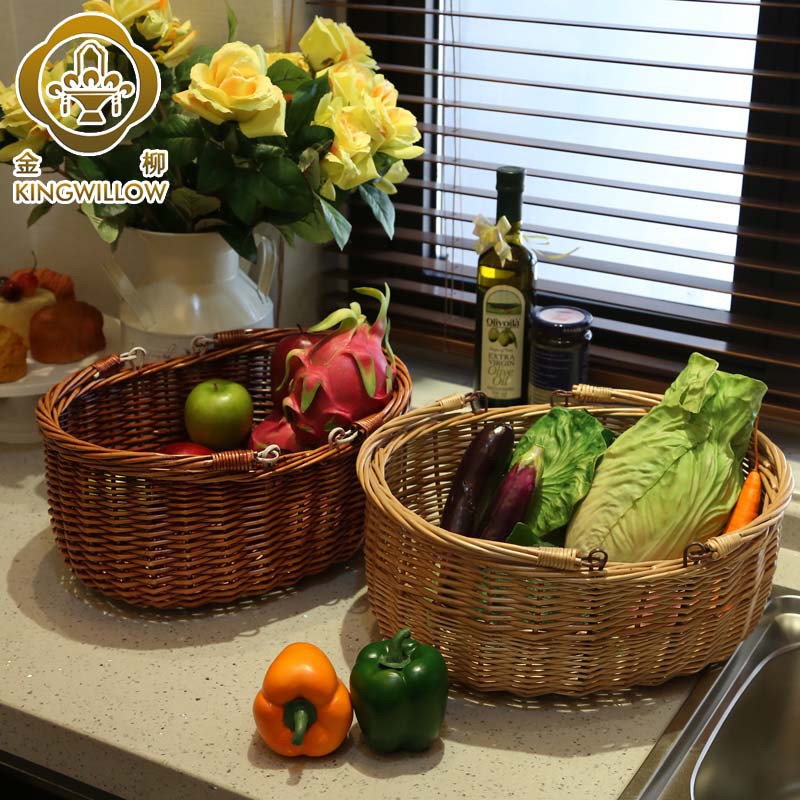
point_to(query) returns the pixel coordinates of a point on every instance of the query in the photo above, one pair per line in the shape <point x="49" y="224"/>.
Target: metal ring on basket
<point x="597" y="559"/>
<point x="563" y="394"/>
<point x="340" y="436"/>
<point x="202" y="344"/>
<point x="696" y="551"/>
<point x="478" y="402"/>
<point x="131" y="357"/>
<point x="269" y="455"/>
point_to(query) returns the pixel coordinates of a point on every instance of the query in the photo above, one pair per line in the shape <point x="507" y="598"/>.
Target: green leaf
<point x="241" y="240"/>
<point x="108" y="210"/>
<point x="141" y="129"/>
<point x="168" y="219"/>
<point x="38" y="212"/>
<point x="280" y="185"/>
<point x="313" y="228"/>
<point x="214" y="168"/>
<point x="384" y="162"/>
<point x="309" y="166"/>
<point x="90" y="169"/>
<point x="317" y="136"/>
<point x="241" y="197"/>
<point x="523" y="534"/>
<point x="573" y="443"/>
<point x="381" y="206"/>
<point x="209" y="224"/>
<point x="169" y="84"/>
<point x="288" y="77"/>
<point x="200" y="55"/>
<point x="233" y="22"/>
<point x="338" y="224"/>
<point x="261" y="151"/>
<point x="107" y="229"/>
<point x="52" y="155"/>
<point x="192" y="203"/>
<point x="300" y="112"/>
<point x="182" y="137"/>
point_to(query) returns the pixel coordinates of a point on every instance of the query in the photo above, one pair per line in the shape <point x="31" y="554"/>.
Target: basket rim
<point x="107" y="372"/>
<point x="380" y="446"/>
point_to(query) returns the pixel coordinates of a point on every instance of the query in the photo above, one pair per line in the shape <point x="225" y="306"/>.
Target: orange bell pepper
<point x="303" y="709"/>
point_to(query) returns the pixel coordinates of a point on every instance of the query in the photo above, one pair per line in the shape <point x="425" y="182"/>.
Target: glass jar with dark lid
<point x="560" y="351"/>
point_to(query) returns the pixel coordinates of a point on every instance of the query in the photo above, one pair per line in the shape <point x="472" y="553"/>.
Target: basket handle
<point x="713" y="548"/>
<point x="234" y="338"/>
<point x="585" y="394"/>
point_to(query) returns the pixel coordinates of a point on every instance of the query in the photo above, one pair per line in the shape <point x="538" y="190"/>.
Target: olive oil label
<point x="503" y="342"/>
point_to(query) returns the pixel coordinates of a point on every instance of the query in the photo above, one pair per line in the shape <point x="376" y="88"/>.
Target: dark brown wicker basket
<point x="184" y="531"/>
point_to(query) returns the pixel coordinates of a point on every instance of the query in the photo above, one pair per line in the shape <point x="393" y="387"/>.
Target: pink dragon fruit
<point x="342" y="378"/>
<point x="275" y="429"/>
<point x="280" y="374"/>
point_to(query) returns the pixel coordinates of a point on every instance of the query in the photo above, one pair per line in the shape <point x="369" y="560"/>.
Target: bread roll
<point x="66" y="332"/>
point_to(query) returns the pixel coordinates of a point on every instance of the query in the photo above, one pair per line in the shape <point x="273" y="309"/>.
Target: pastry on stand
<point x="66" y="332"/>
<point x="13" y="355"/>
<point x="17" y="307"/>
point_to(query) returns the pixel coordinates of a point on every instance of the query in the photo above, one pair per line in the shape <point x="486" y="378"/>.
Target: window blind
<point x="660" y="139"/>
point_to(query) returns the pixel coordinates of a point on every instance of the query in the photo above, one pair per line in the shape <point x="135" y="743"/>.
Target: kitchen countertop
<point x="158" y="704"/>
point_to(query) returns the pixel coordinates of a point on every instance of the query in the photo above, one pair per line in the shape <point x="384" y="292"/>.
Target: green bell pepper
<point x="399" y="692"/>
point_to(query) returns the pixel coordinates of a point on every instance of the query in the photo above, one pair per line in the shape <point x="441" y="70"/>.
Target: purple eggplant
<point x="513" y="497"/>
<point x="482" y="467"/>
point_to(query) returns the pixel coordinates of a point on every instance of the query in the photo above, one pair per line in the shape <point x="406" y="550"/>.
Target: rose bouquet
<point x="252" y="137"/>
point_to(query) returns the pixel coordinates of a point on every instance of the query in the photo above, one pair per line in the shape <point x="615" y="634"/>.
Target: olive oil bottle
<point x="505" y="291"/>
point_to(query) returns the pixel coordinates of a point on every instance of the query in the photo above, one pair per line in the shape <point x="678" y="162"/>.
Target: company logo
<point x="89" y="109"/>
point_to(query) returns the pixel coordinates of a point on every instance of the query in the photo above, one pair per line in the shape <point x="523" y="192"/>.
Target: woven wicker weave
<point x="537" y="620"/>
<point x="183" y="531"/>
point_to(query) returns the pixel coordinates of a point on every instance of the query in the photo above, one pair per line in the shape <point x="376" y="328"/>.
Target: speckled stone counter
<point x="158" y="705"/>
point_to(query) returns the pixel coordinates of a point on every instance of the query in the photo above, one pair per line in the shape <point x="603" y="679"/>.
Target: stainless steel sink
<point x="737" y="737"/>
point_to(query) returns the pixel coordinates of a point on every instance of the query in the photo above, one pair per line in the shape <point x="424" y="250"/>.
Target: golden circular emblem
<point x="90" y="108"/>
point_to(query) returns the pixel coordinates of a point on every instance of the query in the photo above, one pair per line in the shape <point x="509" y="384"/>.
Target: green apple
<point x="219" y="414"/>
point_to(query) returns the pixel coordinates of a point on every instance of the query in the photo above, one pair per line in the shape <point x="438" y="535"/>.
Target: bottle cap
<point x="510" y="179"/>
<point x="564" y="319"/>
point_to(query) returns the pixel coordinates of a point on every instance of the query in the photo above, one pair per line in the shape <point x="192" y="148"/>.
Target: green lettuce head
<point x="674" y="477"/>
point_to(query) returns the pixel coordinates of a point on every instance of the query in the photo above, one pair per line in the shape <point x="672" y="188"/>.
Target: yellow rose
<point x="397" y="173"/>
<point x="154" y="25"/>
<point x="173" y="39"/>
<point x="234" y="86"/>
<point x="384" y="92"/>
<point x="127" y="11"/>
<point x="349" y="162"/>
<point x="351" y="81"/>
<point x="357" y="85"/>
<point x="296" y="59"/>
<point x="401" y="143"/>
<point x="176" y="44"/>
<point x="29" y="134"/>
<point x="326" y="43"/>
<point x="17" y="123"/>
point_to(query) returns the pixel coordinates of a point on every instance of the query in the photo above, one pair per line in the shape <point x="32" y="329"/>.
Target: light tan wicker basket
<point x="537" y="620"/>
<point x="183" y="531"/>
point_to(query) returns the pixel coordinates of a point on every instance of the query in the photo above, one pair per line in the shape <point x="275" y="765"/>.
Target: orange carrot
<point x="749" y="503"/>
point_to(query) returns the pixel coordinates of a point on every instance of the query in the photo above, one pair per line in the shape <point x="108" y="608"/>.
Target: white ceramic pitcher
<point x="190" y="284"/>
